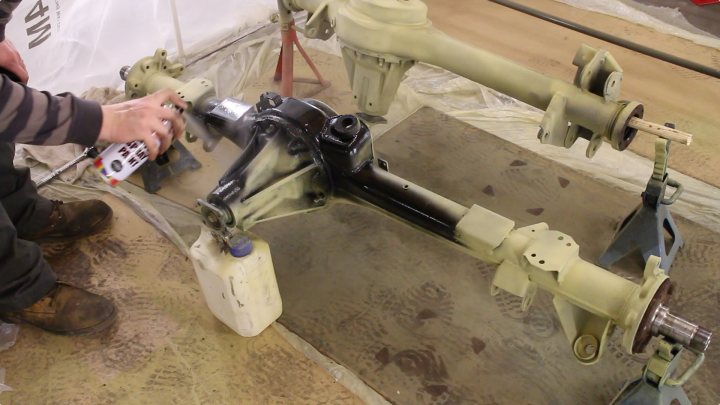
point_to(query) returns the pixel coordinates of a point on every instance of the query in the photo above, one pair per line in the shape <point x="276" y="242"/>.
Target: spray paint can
<point x="118" y="161"/>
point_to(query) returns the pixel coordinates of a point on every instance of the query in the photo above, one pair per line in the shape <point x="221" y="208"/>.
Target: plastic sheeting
<point x="3" y="387"/>
<point x="8" y="335"/>
<point x="663" y="19"/>
<point x="75" y="44"/>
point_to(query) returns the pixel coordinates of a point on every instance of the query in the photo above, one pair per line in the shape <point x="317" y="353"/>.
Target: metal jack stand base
<point x="656" y="386"/>
<point x="645" y="229"/>
<point x="284" y="68"/>
<point x="153" y="173"/>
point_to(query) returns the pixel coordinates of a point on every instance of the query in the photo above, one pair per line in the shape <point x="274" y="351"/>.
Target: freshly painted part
<point x="589" y="299"/>
<point x="156" y="72"/>
<point x="309" y="159"/>
<point x="381" y="39"/>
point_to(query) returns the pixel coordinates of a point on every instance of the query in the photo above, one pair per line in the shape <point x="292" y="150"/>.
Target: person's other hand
<point x="11" y="61"/>
<point x="141" y="120"/>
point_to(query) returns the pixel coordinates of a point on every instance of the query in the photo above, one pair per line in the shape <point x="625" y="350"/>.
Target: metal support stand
<point x="646" y="227"/>
<point x="284" y="68"/>
<point x="657" y="386"/>
<point x="153" y="173"/>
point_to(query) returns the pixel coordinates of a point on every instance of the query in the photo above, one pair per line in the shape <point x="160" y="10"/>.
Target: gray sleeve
<point x="6" y="9"/>
<point x="39" y="118"/>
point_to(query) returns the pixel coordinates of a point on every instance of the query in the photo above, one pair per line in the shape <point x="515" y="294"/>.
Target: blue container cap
<point x="241" y="247"/>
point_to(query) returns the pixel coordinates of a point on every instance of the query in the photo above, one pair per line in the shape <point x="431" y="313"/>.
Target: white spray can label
<point x="118" y="161"/>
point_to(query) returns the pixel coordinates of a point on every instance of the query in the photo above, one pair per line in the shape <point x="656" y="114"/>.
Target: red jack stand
<point x="284" y="68"/>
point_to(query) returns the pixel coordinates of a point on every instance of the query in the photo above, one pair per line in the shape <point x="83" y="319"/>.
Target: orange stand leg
<point x="284" y="68"/>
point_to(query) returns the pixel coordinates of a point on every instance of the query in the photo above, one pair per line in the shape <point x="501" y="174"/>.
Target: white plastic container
<point x="241" y="292"/>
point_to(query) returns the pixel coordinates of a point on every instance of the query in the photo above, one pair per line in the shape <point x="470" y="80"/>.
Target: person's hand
<point x="11" y="61"/>
<point x="141" y="120"/>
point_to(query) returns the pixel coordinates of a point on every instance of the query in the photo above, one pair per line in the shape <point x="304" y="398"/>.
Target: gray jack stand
<point x="644" y="228"/>
<point x="153" y="173"/>
<point x="657" y="386"/>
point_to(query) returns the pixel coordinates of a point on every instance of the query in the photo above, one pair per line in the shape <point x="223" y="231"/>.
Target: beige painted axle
<point x="589" y="300"/>
<point x="382" y="39"/>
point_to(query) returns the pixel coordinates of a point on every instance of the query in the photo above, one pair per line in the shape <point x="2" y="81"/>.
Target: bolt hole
<point x="533" y="255"/>
<point x="147" y="66"/>
<point x="561" y="237"/>
<point x="568" y="244"/>
<point x="370" y="104"/>
<point x="405" y="187"/>
<point x="347" y="122"/>
<point x="532" y="230"/>
<point x="136" y="85"/>
<point x="542" y="261"/>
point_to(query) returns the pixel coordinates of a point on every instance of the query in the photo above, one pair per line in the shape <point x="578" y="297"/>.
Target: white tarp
<point x="71" y="45"/>
<point x="664" y="19"/>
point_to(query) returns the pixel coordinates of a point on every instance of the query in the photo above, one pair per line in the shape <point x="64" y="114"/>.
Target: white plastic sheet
<point x="663" y="19"/>
<point x="8" y="335"/>
<point x="3" y="387"/>
<point x="76" y="44"/>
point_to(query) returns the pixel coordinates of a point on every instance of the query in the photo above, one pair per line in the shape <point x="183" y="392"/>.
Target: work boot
<point x="73" y="220"/>
<point x="67" y="310"/>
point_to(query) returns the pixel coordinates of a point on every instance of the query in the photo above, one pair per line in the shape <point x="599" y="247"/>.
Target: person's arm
<point x="11" y="63"/>
<point x="34" y="117"/>
<point x="6" y="9"/>
<point x="39" y="118"/>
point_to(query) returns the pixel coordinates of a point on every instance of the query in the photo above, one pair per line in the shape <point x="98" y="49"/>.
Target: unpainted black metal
<point x="154" y="172"/>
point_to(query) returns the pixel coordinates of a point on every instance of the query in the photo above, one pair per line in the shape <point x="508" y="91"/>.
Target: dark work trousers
<point x="25" y="276"/>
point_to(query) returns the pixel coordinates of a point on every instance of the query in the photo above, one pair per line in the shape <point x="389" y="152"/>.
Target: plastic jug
<point x="241" y="291"/>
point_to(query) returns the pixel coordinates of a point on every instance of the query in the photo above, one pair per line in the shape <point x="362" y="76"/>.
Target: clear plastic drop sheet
<point x="663" y="19"/>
